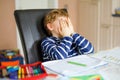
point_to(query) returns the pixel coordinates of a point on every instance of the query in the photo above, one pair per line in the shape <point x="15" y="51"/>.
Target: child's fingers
<point x="63" y="24"/>
<point x="60" y="27"/>
<point x="70" y="25"/>
<point x="69" y="22"/>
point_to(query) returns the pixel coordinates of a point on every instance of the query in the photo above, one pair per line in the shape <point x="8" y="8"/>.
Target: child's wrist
<point x="72" y="34"/>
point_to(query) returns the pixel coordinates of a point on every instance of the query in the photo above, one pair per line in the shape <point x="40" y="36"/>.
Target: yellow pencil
<point x="19" y="73"/>
<point x="23" y="74"/>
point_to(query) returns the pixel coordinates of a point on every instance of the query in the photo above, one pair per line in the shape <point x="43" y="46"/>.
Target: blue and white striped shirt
<point x="54" y="48"/>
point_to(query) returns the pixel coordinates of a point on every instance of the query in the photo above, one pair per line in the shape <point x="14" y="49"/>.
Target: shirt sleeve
<point x="84" y="46"/>
<point x="57" y="51"/>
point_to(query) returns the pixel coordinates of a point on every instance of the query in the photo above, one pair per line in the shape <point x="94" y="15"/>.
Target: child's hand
<point x="64" y="28"/>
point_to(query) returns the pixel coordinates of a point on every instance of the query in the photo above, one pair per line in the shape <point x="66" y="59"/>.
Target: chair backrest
<point x="31" y="30"/>
<point x="30" y="26"/>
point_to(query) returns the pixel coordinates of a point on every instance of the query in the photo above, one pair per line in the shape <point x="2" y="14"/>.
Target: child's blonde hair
<point x="52" y="16"/>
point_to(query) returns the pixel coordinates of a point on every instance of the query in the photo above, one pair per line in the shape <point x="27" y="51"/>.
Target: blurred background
<point x="96" y="20"/>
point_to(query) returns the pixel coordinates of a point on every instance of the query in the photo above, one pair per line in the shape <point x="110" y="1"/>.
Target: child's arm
<point x="84" y="46"/>
<point x="57" y="51"/>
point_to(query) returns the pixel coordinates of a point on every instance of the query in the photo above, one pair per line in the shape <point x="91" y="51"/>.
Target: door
<point x="88" y="20"/>
<point x="105" y="24"/>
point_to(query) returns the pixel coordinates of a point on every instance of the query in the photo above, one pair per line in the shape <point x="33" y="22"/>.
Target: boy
<point x="63" y="41"/>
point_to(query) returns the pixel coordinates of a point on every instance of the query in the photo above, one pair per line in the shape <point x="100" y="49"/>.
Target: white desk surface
<point x="111" y="71"/>
<point x="108" y="72"/>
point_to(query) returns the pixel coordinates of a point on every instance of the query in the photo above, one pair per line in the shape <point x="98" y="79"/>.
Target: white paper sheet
<point x="66" y="69"/>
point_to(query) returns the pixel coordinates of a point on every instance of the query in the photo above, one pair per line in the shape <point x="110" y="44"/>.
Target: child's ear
<point x="49" y="26"/>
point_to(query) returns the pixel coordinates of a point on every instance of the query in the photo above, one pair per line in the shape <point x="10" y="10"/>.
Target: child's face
<point x="56" y="25"/>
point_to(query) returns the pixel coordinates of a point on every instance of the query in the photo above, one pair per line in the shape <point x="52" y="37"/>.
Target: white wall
<point x="36" y="4"/>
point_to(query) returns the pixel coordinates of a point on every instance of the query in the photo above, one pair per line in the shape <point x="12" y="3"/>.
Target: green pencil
<point x="75" y="63"/>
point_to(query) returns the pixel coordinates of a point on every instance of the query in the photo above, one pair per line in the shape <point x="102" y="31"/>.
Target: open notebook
<point x="74" y="65"/>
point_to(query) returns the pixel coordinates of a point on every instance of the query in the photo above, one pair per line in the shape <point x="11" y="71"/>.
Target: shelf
<point x="116" y="15"/>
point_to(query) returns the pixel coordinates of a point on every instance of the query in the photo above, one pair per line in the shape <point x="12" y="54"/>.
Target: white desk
<point x="108" y="72"/>
<point x="111" y="71"/>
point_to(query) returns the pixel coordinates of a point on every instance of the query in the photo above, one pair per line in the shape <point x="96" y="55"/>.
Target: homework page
<point x="79" y="64"/>
<point x="112" y="55"/>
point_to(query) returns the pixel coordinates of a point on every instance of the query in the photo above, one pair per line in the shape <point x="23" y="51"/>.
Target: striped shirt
<point x="54" y="48"/>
